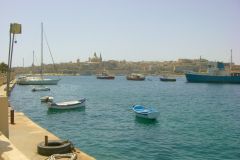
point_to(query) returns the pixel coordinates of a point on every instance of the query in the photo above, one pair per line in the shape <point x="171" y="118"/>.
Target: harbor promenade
<point x="25" y="135"/>
<point x="19" y="141"/>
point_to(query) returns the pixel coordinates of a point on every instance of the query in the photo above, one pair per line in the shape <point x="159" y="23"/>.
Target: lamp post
<point x="15" y="28"/>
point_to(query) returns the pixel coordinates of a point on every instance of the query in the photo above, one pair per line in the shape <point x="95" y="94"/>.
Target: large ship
<point x="216" y="74"/>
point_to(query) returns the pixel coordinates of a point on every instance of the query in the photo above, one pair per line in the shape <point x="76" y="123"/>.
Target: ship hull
<point x="202" y="78"/>
<point x="38" y="82"/>
<point x="105" y="77"/>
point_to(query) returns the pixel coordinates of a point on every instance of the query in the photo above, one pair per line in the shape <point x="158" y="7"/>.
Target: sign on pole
<point x="15" y="28"/>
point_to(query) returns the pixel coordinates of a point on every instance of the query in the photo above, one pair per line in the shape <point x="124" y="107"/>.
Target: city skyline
<point x="127" y="30"/>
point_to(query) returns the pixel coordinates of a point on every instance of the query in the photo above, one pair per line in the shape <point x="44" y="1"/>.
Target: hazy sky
<point x="133" y="30"/>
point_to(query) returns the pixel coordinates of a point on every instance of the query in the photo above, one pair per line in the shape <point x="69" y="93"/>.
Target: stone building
<point x="95" y="58"/>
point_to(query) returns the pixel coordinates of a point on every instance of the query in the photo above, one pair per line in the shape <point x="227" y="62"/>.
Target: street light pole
<point x="15" y="28"/>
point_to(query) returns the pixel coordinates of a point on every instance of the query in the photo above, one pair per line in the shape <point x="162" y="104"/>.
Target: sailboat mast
<point x="33" y="64"/>
<point x="231" y="62"/>
<point x="41" y="49"/>
<point x="33" y="58"/>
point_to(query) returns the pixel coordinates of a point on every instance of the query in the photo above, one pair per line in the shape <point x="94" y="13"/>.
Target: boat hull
<point x="67" y="105"/>
<point x="136" y="79"/>
<point x="201" y="78"/>
<point x="105" y="77"/>
<point x="39" y="82"/>
<point x="143" y="112"/>
<point x="168" y="79"/>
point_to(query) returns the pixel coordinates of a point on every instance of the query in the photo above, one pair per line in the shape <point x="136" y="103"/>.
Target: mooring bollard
<point x="12" y="116"/>
<point x="46" y="140"/>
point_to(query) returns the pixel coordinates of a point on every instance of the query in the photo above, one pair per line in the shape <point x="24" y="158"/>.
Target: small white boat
<point x="148" y="113"/>
<point x="167" y="79"/>
<point x="37" y="81"/>
<point x="135" y="77"/>
<point x="46" y="99"/>
<point x="41" y="89"/>
<point x="67" y="105"/>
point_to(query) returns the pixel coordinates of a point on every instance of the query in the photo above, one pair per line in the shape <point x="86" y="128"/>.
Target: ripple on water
<point x="197" y="121"/>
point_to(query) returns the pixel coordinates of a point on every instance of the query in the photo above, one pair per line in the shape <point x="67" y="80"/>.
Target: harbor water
<point x="197" y="120"/>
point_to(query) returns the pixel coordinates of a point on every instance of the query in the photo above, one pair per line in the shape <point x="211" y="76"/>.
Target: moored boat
<point x="41" y="89"/>
<point x="167" y="79"/>
<point x="135" y="77"/>
<point x="68" y="104"/>
<point x="46" y="99"/>
<point x="105" y="75"/>
<point x="38" y="80"/>
<point x="143" y="112"/>
<point x="216" y="74"/>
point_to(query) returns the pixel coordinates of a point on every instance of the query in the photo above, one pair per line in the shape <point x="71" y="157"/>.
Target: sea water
<point x="197" y="120"/>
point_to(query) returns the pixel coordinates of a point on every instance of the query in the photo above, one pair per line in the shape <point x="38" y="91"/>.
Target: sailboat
<point x="40" y="80"/>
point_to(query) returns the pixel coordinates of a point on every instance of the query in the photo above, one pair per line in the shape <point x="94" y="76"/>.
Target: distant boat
<point x="144" y="112"/>
<point x="135" y="77"/>
<point x="40" y="80"/>
<point x="216" y="74"/>
<point x="46" y="99"/>
<point x="37" y="81"/>
<point x="41" y="89"/>
<point x="68" y="104"/>
<point x="167" y="79"/>
<point x="105" y="75"/>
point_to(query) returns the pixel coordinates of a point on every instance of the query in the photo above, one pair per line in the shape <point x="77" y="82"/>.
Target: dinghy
<point x="68" y="104"/>
<point x="143" y="112"/>
<point x="41" y="89"/>
<point x="46" y="99"/>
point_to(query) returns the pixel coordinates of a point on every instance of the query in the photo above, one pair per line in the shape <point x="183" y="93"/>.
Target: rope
<point x="54" y="66"/>
<point x="72" y="156"/>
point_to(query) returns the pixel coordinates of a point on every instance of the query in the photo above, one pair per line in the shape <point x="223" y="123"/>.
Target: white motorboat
<point x="46" y="99"/>
<point x="68" y="104"/>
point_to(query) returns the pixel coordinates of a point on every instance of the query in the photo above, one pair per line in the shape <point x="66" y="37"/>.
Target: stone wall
<point x="4" y="114"/>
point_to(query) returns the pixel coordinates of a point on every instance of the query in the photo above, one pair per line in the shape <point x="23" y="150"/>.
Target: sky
<point x="132" y="30"/>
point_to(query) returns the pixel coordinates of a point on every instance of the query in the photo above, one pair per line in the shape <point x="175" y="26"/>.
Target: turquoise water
<point x="197" y="121"/>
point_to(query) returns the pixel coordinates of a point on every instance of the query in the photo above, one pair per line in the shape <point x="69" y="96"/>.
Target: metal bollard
<point x="12" y="116"/>
<point x="46" y="140"/>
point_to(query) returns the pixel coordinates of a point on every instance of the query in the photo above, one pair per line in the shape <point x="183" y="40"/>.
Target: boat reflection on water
<point x="59" y="111"/>
<point x="146" y="121"/>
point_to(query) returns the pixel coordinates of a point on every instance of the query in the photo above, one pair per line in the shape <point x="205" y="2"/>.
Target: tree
<point x="3" y="67"/>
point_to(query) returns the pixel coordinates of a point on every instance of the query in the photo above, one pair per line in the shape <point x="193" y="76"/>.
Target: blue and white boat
<point x="216" y="74"/>
<point x="143" y="112"/>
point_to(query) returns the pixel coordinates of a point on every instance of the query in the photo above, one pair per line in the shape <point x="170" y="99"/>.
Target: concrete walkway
<point x="8" y="151"/>
<point x="25" y="135"/>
